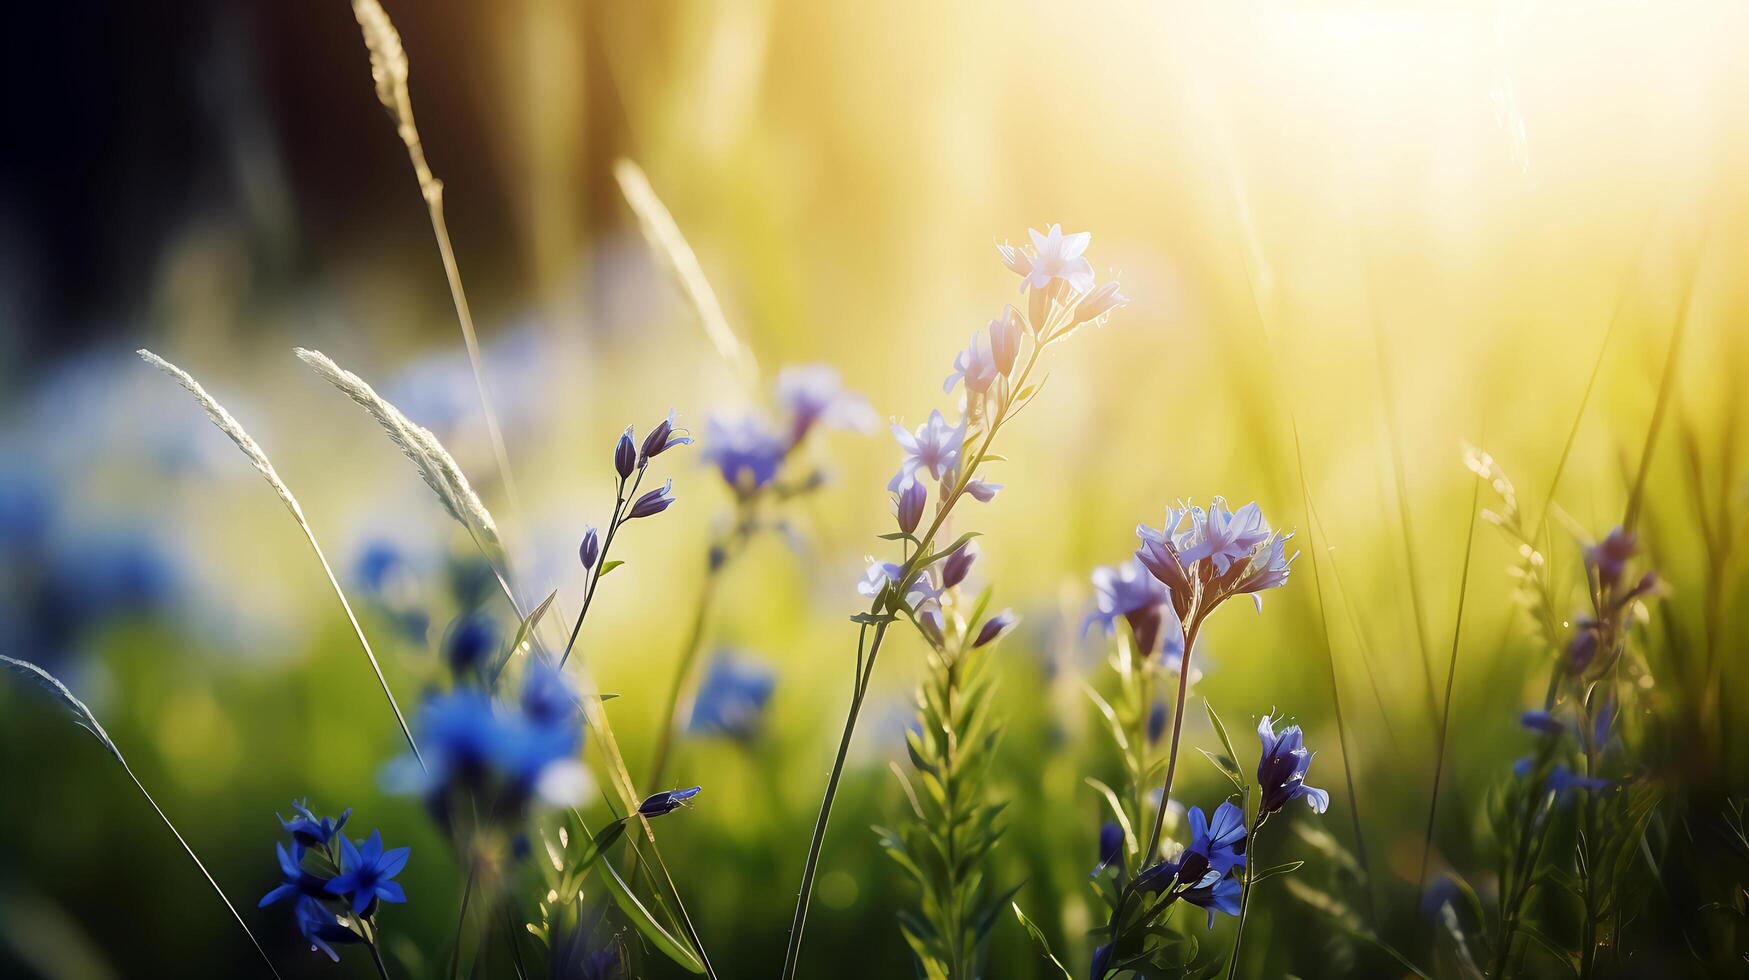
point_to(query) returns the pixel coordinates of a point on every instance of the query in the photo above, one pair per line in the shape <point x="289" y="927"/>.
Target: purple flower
<point x="958" y="565"/>
<point x="877" y="577"/>
<point x="981" y="491"/>
<point x="1281" y="771"/>
<point x="1129" y="592"/>
<point x="366" y="872"/>
<point x="1268" y="568"/>
<point x="732" y="699"/>
<point x="1110" y="846"/>
<point x="1223" y="536"/>
<point x="653" y="502"/>
<point x="1157" y="718"/>
<point x="909" y="502"/>
<point x="590" y="550"/>
<point x="663" y="438"/>
<point x="1158" y="553"/>
<point x="934" y="447"/>
<point x="811" y="394"/>
<point x="1610" y="556"/>
<point x="976" y="366"/>
<point x="995" y="626"/>
<point x="744" y="451"/>
<point x="667" y="801"/>
<point x="625" y="454"/>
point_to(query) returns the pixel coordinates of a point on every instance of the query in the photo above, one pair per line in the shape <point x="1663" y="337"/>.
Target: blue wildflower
<point x="318" y="924"/>
<point x="1157" y="718"/>
<point x="1281" y="771"/>
<point x="667" y="801"/>
<point x="297" y="881"/>
<point x="1223" y="536"/>
<point x="732" y="699"/>
<point x="590" y="550"/>
<point x="745" y="452"/>
<point x="1541" y="721"/>
<point x="812" y="393"/>
<point x="1220" y="895"/>
<point x="958" y="565"/>
<point x="367" y="873"/>
<point x="995" y="626"/>
<point x="472" y="639"/>
<point x="908" y="503"/>
<point x="1110" y="846"/>
<point x="1101" y="962"/>
<point x="549" y="696"/>
<point x="652" y="502"/>
<point x="625" y="454"/>
<point x="1222" y="839"/>
<point x="1127" y="591"/>
<point x="309" y="831"/>
<point x="663" y="438"/>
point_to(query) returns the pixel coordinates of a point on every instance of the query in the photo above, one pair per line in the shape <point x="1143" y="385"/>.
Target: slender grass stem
<point x="369" y="655"/>
<point x="1457" y="632"/>
<point x="376" y="958"/>
<point x="1251" y="855"/>
<point x="682" y="670"/>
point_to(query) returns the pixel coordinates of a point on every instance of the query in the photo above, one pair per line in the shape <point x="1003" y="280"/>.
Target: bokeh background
<point x="1397" y="229"/>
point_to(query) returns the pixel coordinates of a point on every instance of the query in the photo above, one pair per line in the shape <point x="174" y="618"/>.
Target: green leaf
<point x="1280" y="869"/>
<point x="522" y="632"/>
<point x="898" y="536"/>
<point x="873" y="619"/>
<point x="1038" y="937"/>
<point x="1221" y="733"/>
<point x="1129" y="835"/>
<point x="610" y="566"/>
<point x="1226" y="766"/>
<point x="672" y="947"/>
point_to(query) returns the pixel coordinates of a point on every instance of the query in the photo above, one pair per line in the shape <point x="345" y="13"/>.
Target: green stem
<point x="1172" y="749"/>
<point x="376" y="957"/>
<point x="613" y="526"/>
<point x="682" y="671"/>
<point x="1245" y="892"/>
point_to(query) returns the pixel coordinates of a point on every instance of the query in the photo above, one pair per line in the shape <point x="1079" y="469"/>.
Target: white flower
<point x="1058" y="256"/>
<point x="876" y="577"/>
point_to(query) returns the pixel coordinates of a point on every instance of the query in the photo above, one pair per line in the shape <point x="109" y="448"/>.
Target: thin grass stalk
<point x="1457" y="632"/>
<point x="1360" y="637"/>
<point x="84" y="718"/>
<point x="683" y="669"/>
<point x="229" y="425"/>
<point x="1250" y="873"/>
<point x="1335" y="689"/>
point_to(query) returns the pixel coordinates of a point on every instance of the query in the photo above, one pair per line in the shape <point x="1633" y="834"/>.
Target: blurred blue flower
<point x="995" y="626"/>
<point x="745" y="452"/>
<point x="1281" y="772"/>
<point x="308" y="830"/>
<point x="387" y="578"/>
<point x="1128" y="592"/>
<point x="812" y="393"/>
<point x="732" y="699"/>
<point x="468" y="741"/>
<point x="1541" y="721"/>
<point x="472" y="641"/>
<point x="549" y="696"/>
<point x="1110" y="846"/>
<point x="667" y="801"/>
<point x="1157" y="718"/>
<point x="367" y="872"/>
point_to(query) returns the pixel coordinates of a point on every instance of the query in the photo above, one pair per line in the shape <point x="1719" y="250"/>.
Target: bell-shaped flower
<point x="934" y="448"/>
<point x="1281" y="770"/>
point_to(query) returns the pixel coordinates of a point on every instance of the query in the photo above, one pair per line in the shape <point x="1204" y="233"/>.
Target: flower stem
<point x="601" y="562"/>
<point x="1172" y="749"/>
<point x="376" y="957"/>
<point x="1245" y="891"/>
<point x="792" y="955"/>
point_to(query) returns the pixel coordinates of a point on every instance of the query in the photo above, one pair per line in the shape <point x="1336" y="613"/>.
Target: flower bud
<point x="957" y="565"/>
<point x="995" y="626"/>
<point x="1100" y="302"/>
<point x="662" y="438"/>
<point x="912" y="496"/>
<point x="653" y="502"/>
<point x="1005" y="340"/>
<point x="625" y="454"/>
<point x="590" y="550"/>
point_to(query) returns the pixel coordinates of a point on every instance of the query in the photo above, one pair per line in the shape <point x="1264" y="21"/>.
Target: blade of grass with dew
<point x="665" y="238"/>
<point x="389" y="69"/>
<point x="83" y="717"/>
<point x="227" y="424"/>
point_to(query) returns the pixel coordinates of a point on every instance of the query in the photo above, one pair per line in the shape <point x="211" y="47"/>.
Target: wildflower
<point x="1561" y="781"/>
<point x="1281" y="771"/>
<point x="934" y="447"/>
<point x="1058" y="256"/>
<point x="320" y="927"/>
<point x="308" y="830"/>
<point x="1100" y="302"/>
<point x="812" y="394"/>
<point x="625" y="454"/>
<point x="1540" y="721"/>
<point x="1110" y="846"/>
<point x="732" y="699"/>
<point x="388" y="577"/>
<point x="958" y="565"/>
<point x="878" y="576"/>
<point x="995" y="626"/>
<point x="1016" y="259"/>
<point x="296" y="881"/>
<point x="981" y="491"/>
<point x="1005" y="340"/>
<point x="667" y="801"/>
<point x="1223" y="536"/>
<point x="1157" y="717"/>
<point x="663" y="438"/>
<point x="909" y="501"/>
<point x="1127" y="591"/>
<point x="1610" y="556"/>
<point x="470" y="742"/>
<point x="976" y="366"/>
<point x="367" y="872"/>
<point x="744" y="451"/>
<point x="1101" y="962"/>
<point x="472" y="638"/>
<point x="1221" y="895"/>
<point x="1582" y="649"/>
<point x="1221" y="840"/>
<point x="1268" y="568"/>
<point x="1158" y="553"/>
<point x="653" y="502"/>
<point x="590" y="550"/>
<point x="549" y="696"/>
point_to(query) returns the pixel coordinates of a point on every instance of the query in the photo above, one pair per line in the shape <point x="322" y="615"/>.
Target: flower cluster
<point x="335" y="884"/>
<point x="1597" y="641"/>
<point x="1205" y="557"/>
